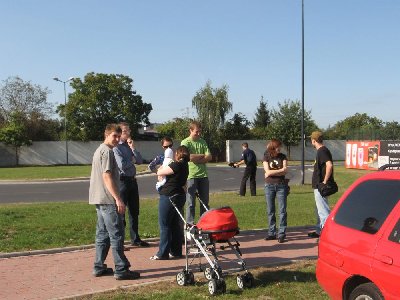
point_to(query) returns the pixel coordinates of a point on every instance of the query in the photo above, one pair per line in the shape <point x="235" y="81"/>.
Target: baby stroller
<point x="214" y="226"/>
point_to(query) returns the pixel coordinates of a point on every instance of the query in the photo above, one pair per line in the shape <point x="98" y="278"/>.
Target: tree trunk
<point x="16" y="156"/>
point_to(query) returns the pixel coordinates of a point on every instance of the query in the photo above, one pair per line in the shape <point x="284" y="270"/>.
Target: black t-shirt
<point x="249" y="158"/>
<point x="275" y="163"/>
<point x="323" y="156"/>
<point x="175" y="182"/>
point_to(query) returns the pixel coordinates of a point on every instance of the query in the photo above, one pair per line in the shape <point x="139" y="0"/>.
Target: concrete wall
<point x="53" y="153"/>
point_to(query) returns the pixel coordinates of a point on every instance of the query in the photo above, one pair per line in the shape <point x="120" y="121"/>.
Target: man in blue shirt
<point x="127" y="156"/>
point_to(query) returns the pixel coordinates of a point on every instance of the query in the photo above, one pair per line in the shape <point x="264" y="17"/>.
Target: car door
<point x="360" y="223"/>
<point x="386" y="262"/>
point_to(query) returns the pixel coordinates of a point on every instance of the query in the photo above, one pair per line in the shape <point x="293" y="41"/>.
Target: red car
<point x="359" y="248"/>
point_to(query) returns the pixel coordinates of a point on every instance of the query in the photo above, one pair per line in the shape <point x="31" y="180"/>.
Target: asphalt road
<point x="221" y="179"/>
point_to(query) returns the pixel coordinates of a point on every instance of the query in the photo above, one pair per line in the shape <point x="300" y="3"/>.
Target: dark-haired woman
<point x="275" y="166"/>
<point x="170" y="222"/>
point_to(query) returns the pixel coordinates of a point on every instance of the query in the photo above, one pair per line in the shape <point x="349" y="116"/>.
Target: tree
<point x="177" y="129"/>
<point x="261" y="121"/>
<point x="390" y="131"/>
<point x="358" y="126"/>
<point x="15" y="133"/>
<point x="237" y="128"/>
<point x="101" y="99"/>
<point x="262" y="116"/>
<point x="28" y="103"/>
<point x="22" y="97"/>
<point x="212" y="106"/>
<point x="286" y="124"/>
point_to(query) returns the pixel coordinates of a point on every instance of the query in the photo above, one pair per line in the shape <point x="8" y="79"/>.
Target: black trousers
<point x="129" y="192"/>
<point x="249" y="172"/>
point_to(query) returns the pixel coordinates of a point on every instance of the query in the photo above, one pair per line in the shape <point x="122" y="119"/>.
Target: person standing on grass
<point x="249" y="158"/>
<point x="275" y="166"/>
<point x="127" y="156"/>
<point x="200" y="155"/>
<point x="323" y="172"/>
<point x="104" y="193"/>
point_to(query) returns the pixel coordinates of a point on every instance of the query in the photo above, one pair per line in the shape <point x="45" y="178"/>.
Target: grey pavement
<point x="64" y="275"/>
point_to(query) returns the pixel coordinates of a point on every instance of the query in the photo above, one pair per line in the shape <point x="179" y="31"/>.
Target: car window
<point x="368" y="205"/>
<point x="395" y="234"/>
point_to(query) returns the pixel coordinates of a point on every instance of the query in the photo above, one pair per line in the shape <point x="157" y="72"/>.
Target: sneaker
<point x="270" y="237"/>
<point x="140" y="244"/>
<point x="127" y="275"/>
<point x="171" y="256"/>
<point x="281" y="239"/>
<point x="313" y="235"/>
<point x="104" y="272"/>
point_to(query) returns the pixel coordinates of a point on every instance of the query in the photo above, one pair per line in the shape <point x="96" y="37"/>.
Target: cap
<point x="316" y="135"/>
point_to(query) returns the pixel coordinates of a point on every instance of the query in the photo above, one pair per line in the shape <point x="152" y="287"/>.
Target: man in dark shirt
<point x="323" y="172"/>
<point x="249" y="158"/>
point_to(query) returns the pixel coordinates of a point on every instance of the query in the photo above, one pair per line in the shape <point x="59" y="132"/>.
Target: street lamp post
<point x="65" y="114"/>
<point x="302" y="93"/>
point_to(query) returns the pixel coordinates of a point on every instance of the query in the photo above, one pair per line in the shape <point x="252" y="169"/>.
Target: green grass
<point x="51" y="225"/>
<point x="49" y="172"/>
<point x="294" y="281"/>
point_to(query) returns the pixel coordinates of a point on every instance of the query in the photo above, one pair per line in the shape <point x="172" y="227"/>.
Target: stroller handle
<point x="202" y="203"/>
<point x="174" y="205"/>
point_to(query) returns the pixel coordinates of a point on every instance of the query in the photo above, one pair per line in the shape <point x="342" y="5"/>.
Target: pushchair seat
<point x="220" y="223"/>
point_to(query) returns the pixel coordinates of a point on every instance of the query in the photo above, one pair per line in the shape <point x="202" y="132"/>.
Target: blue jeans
<point x="323" y="209"/>
<point x="202" y="186"/>
<point x="170" y="226"/>
<point x="109" y="233"/>
<point x="278" y="191"/>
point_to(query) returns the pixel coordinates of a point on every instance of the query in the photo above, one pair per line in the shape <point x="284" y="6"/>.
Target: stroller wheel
<point x="208" y="273"/>
<point x="185" y="278"/>
<point x="240" y="281"/>
<point x="212" y="287"/>
<point x="248" y="280"/>
<point x="181" y="278"/>
<point x="221" y="285"/>
<point x="189" y="277"/>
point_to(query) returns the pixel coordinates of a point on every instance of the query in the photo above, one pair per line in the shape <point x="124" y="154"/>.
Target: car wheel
<point x="366" y="291"/>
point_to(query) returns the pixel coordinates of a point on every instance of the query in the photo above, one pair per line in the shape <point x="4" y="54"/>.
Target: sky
<point x="171" y="48"/>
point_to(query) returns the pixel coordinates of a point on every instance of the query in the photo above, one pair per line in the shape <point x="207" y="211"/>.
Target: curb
<point x="33" y="181"/>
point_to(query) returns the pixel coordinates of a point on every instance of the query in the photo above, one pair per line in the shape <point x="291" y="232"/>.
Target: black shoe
<point x="127" y="275"/>
<point x="140" y="244"/>
<point x="313" y="235"/>
<point x="104" y="272"/>
<point x="270" y="237"/>
<point x="171" y="256"/>
<point x="281" y="239"/>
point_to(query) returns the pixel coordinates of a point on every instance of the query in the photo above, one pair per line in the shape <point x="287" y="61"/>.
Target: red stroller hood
<point x="220" y="222"/>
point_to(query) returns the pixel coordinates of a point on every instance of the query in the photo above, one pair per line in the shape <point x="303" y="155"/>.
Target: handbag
<point x="327" y="189"/>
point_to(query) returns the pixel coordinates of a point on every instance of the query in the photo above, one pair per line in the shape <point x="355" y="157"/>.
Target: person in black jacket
<point x="174" y="190"/>
<point x="249" y="158"/>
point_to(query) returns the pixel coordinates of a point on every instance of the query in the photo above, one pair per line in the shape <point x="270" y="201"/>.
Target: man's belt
<point x="124" y="177"/>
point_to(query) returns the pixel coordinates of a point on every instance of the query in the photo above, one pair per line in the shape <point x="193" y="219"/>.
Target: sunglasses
<point x="167" y="146"/>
